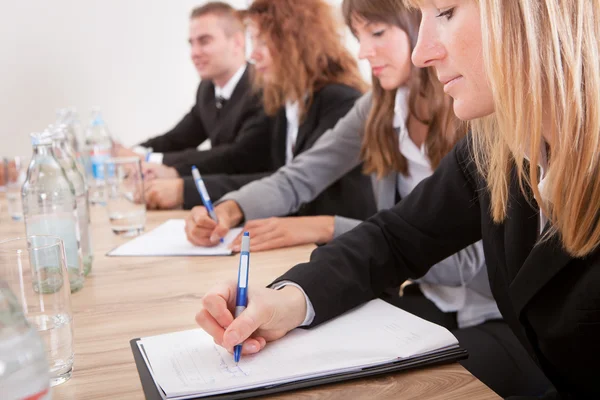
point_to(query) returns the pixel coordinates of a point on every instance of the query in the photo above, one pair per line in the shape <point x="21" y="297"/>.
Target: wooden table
<point x="130" y="297"/>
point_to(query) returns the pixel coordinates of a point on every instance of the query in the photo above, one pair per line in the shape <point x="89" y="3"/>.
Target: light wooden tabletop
<point x="131" y="297"/>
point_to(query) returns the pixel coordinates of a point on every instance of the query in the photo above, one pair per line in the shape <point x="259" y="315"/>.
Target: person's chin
<point x="468" y="110"/>
<point x="204" y="73"/>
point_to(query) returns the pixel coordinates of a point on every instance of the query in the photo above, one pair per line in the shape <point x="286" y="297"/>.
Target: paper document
<point x="189" y="364"/>
<point x="169" y="239"/>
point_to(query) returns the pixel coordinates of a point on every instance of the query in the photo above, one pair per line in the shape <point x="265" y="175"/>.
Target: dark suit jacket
<point x="351" y="196"/>
<point x="550" y="300"/>
<point x="205" y="121"/>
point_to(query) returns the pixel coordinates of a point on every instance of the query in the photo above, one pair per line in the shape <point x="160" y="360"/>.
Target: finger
<point x="270" y="244"/>
<point x="258" y="243"/>
<point x="205" y="222"/>
<point x="210" y="326"/>
<point x="218" y="233"/>
<point x="237" y="242"/>
<point x="150" y="201"/>
<point x="200" y="216"/>
<point x="216" y="305"/>
<point x="255" y="229"/>
<point x="260" y="226"/>
<point x="263" y="237"/>
<point x="244" y="326"/>
<point x="194" y="235"/>
<point x="149" y="186"/>
<point x="251" y="346"/>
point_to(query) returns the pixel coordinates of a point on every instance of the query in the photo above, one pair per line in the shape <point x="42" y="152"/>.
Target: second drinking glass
<point x="125" y="199"/>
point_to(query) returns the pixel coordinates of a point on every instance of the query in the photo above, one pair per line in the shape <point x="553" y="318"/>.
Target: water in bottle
<point x="98" y="145"/>
<point x="75" y="173"/>
<point x="50" y="207"/>
<point x="23" y="365"/>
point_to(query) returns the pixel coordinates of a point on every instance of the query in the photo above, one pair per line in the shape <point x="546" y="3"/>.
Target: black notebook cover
<point x="443" y="357"/>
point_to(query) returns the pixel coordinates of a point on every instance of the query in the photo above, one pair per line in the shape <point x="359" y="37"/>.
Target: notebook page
<point x="189" y="363"/>
<point x="169" y="239"/>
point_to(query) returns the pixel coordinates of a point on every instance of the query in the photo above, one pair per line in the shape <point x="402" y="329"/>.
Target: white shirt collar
<point x="543" y="165"/>
<point x="227" y="90"/>
<point x="401" y="108"/>
<point x="292" y="116"/>
<point x="407" y="147"/>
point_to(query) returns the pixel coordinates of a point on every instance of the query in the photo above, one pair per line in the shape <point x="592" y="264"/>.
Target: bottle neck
<point x="42" y="149"/>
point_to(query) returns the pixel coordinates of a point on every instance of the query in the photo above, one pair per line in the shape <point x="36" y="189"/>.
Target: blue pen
<point x="204" y="195"/>
<point x="241" y="299"/>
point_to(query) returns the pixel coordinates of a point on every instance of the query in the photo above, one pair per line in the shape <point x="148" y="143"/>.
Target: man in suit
<point x="223" y="101"/>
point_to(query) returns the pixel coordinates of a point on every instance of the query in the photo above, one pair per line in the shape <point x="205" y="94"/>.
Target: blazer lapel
<point x="279" y="139"/>
<point x="521" y="229"/>
<point x="208" y="109"/>
<point x="530" y="263"/>
<point x="385" y="191"/>
<point x="545" y="260"/>
<point x="238" y="93"/>
<point x="305" y="129"/>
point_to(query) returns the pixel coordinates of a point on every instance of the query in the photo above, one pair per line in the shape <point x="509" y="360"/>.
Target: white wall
<point x="128" y="57"/>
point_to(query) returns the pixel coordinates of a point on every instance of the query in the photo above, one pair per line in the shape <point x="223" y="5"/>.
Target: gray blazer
<point x="458" y="283"/>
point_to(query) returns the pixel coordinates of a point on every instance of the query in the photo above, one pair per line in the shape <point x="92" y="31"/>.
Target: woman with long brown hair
<point x="402" y="130"/>
<point x="308" y="80"/>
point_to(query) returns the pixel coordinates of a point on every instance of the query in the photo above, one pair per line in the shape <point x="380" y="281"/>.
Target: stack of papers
<point x="189" y="364"/>
<point x="169" y="239"/>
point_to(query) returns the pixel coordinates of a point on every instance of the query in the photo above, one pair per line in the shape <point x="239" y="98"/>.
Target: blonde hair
<point x="545" y="73"/>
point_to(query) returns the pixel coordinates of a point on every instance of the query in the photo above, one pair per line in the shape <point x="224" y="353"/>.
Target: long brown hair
<point x="380" y="148"/>
<point x="307" y="51"/>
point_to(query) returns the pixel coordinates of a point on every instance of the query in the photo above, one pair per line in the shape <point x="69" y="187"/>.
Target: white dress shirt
<point x="227" y="90"/>
<point x="224" y="92"/>
<point x="293" y="124"/>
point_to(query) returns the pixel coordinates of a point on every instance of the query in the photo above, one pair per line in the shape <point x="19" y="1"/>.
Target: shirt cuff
<point x="310" y="310"/>
<point x="141" y="150"/>
<point x="156" y="158"/>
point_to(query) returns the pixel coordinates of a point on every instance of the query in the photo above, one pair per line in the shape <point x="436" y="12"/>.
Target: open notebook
<point x="168" y="239"/>
<point x="188" y="364"/>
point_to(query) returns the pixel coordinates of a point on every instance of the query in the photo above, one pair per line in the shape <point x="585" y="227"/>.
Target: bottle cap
<point x="40" y="138"/>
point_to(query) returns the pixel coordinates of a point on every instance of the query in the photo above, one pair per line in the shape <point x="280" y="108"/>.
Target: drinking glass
<point x="35" y="269"/>
<point x="15" y="173"/>
<point x="125" y="201"/>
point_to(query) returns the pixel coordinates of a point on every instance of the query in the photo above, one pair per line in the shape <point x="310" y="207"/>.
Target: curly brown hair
<point x="380" y="148"/>
<point x="305" y="41"/>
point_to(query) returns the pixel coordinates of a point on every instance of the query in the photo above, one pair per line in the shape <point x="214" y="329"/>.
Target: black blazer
<point x="351" y="196"/>
<point x="205" y="121"/>
<point x="550" y="300"/>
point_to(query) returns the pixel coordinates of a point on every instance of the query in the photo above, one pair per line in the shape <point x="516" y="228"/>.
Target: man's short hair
<point x="232" y="22"/>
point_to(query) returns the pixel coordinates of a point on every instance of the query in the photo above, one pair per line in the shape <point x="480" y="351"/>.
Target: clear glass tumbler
<point x="35" y="269"/>
<point x="125" y="201"/>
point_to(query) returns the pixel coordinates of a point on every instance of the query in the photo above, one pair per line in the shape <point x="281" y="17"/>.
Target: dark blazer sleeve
<point x="216" y="185"/>
<point x="248" y="153"/>
<point x="189" y="132"/>
<point x="440" y="217"/>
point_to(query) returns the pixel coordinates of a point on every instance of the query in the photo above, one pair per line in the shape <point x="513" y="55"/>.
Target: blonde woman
<point x="527" y="74"/>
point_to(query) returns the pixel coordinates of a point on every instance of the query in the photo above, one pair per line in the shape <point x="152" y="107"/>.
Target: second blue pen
<point x="204" y="195"/>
